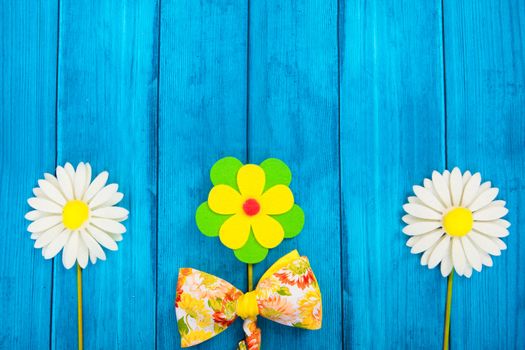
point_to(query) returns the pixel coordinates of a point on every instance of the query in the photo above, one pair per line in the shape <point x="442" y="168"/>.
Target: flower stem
<point x="446" y="335"/>
<point x="250" y="277"/>
<point x="79" y="305"/>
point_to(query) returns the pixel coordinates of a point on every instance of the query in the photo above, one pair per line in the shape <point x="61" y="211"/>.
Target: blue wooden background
<point x="361" y="98"/>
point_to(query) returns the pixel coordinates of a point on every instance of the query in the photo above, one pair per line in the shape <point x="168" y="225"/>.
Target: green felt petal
<point x="252" y="252"/>
<point x="224" y="172"/>
<point x="277" y="172"/>
<point x="291" y="221"/>
<point x="209" y="222"/>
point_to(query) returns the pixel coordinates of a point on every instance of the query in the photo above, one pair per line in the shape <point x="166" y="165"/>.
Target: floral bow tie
<point x="287" y="293"/>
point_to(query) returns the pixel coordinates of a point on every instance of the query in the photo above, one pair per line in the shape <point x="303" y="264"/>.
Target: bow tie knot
<point x="287" y="293"/>
<point x="247" y="306"/>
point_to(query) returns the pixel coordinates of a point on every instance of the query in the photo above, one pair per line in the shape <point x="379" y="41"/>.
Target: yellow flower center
<point x="458" y="222"/>
<point x="75" y="213"/>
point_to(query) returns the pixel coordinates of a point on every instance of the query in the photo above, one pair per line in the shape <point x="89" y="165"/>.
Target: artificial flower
<point x="76" y="215"/>
<point x="455" y="221"/>
<point x="251" y="208"/>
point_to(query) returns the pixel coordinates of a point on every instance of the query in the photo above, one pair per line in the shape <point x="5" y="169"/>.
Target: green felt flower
<point x="251" y="208"/>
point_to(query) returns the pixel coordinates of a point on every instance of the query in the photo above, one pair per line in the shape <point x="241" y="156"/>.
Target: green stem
<point x="250" y="277"/>
<point x="79" y="308"/>
<point x="446" y="335"/>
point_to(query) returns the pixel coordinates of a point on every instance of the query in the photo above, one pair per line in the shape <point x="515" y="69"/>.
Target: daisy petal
<point x="490" y="229"/>
<point x="44" y="205"/>
<point x="251" y="180"/>
<point x="56" y="245"/>
<point x="471" y="189"/>
<point x="427" y="197"/>
<point x="466" y="176"/>
<point x="115" y="199"/>
<point x="471" y="253"/>
<point x="277" y="200"/>
<point x="48" y="236"/>
<point x="44" y="223"/>
<point x="501" y="245"/>
<point x="65" y="183"/>
<point x="426" y="241"/>
<point x="409" y="219"/>
<point x="426" y="254"/>
<point x="421" y="211"/>
<point x="234" y="231"/>
<point x="110" y="213"/>
<point x="503" y="223"/>
<point x="96" y="185"/>
<point x="95" y="251"/>
<point x="456" y="186"/>
<point x="490" y="213"/>
<point x="414" y="200"/>
<point x="82" y="254"/>
<point x="420" y="228"/>
<point x="268" y="231"/>
<point x="484" y="243"/>
<point x="79" y="182"/>
<point x="484" y="199"/>
<point x="51" y="192"/>
<point x="224" y="200"/>
<point x="441" y="188"/>
<point x="103" y="196"/>
<point x="107" y="225"/>
<point x="440" y="251"/>
<point x="39" y="193"/>
<point x="485" y="258"/>
<point x="468" y="270"/>
<point x="52" y="180"/>
<point x="458" y="256"/>
<point x="413" y="240"/>
<point x="35" y="215"/>
<point x="70" y="171"/>
<point x="446" y="266"/>
<point x="115" y="236"/>
<point x="102" y="238"/>
<point x="69" y="256"/>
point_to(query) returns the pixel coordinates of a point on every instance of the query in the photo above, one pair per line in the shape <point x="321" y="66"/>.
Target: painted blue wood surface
<point x="392" y="136"/>
<point x="202" y="117"/>
<point x="485" y="84"/>
<point x="361" y="98"/>
<point x="27" y="149"/>
<point x="107" y="113"/>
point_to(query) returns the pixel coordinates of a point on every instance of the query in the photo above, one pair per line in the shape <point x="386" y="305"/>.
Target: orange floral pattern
<point x="206" y="305"/>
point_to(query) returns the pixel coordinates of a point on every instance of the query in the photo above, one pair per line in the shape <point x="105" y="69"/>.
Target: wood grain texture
<point x="202" y="119"/>
<point x="28" y="38"/>
<point x="361" y="98"/>
<point x="485" y="84"/>
<point x="293" y="115"/>
<point x="392" y="136"/>
<point x="107" y="112"/>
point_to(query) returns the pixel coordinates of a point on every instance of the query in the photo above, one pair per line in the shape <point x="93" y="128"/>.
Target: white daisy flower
<point x="455" y="220"/>
<point x="77" y="215"/>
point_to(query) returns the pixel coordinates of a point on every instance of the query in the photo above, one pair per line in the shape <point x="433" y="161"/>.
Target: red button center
<point x="251" y="207"/>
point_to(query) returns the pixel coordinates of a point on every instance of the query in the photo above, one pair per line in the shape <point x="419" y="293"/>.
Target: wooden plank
<point x="485" y="85"/>
<point x="293" y="115"/>
<point x="27" y="149"/>
<point x="392" y="136"/>
<point x="202" y="118"/>
<point x="107" y="114"/>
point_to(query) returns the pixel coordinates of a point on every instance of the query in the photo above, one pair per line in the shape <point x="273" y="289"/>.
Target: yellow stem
<point x="250" y="277"/>
<point x="446" y="336"/>
<point x="79" y="305"/>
